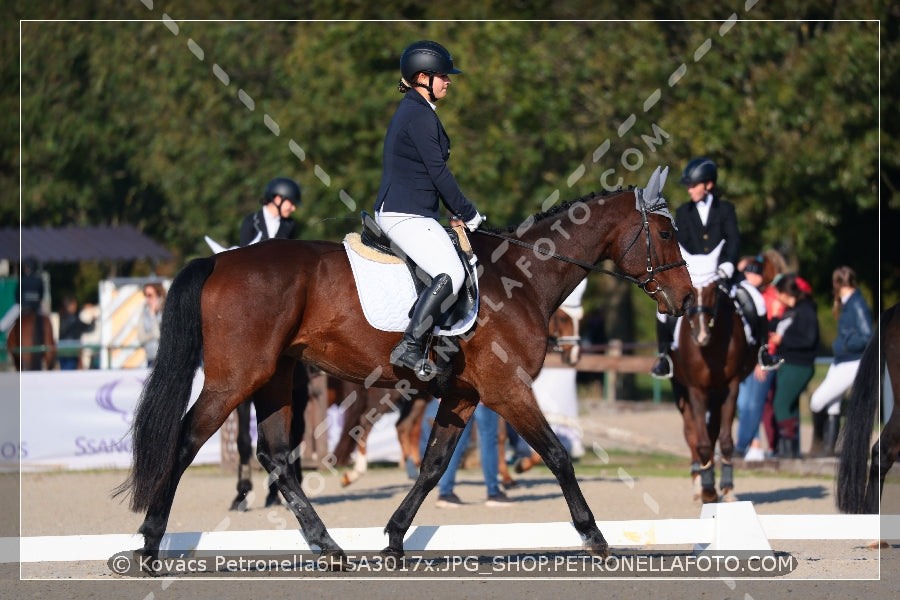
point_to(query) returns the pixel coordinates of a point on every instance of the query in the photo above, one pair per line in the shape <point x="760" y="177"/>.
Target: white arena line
<point x="507" y="536"/>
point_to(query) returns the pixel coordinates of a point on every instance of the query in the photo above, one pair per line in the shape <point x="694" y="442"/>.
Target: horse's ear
<point x="652" y="190"/>
<point x="662" y="179"/>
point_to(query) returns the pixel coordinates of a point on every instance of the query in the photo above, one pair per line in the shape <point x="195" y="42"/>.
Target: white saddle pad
<point x="386" y="293"/>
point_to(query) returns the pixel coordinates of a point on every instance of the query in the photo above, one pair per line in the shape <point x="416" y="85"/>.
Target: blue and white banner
<point x="76" y="419"/>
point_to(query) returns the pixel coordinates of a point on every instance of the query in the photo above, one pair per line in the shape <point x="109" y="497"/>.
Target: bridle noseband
<point x="555" y="343"/>
<point x="713" y="311"/>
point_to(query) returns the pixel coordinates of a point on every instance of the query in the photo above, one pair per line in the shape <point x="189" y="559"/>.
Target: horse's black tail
<point x="857" y="432"/>
<point x="156" y="431"/>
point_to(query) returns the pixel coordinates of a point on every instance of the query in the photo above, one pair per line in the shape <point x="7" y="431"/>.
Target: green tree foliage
<point x="175" y="125"/>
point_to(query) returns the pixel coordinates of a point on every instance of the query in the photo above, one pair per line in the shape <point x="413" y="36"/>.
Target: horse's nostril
<point x="689" y="301"/>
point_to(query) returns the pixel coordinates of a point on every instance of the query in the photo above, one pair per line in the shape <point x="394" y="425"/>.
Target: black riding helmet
<point x="699" y="170"/>
<point x="426" y="57"/>
<point x="284" y="187"/>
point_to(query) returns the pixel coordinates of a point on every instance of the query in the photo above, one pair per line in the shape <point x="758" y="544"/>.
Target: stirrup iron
<point x="764" y="349"/>
<point x="671" y="367"/>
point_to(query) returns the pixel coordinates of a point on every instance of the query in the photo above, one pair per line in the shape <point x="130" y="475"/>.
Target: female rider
<point x="415" y="180"/>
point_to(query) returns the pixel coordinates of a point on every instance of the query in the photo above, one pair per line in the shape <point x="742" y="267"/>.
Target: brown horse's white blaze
<point x="250" y="314"/>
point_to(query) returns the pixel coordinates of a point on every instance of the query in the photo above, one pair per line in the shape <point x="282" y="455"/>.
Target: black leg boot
<point x="818" y="419"/>
<point x="832" y="427"/>
<point x="410" y="352"/>
<point x="788" y="438"/>
<point x="767" y="361"/>
<point x="665" y="334"/>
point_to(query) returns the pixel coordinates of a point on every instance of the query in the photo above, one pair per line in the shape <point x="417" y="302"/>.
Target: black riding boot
<point x="759" y="325"/>
<point x="410" y="352"/>
<point x="832" y="427"/>
<point x="665" y="334"/>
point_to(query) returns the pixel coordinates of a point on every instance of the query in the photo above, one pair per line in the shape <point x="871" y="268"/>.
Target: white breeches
<point x="425" y="241"/>
<point x="837" y="380"/>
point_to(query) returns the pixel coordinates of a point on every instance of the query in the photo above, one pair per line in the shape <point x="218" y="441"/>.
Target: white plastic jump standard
<point x="737" y="528"/>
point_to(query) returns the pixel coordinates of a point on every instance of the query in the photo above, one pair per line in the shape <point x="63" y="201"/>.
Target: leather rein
<point x="643" y="283"/>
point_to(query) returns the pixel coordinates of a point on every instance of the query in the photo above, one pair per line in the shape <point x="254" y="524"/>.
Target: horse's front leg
<point x="726" y="440"/>
<point x="451" y="419"/>
<point x="690" y="436"/>
<point x="699" y="405"/>
<point x="520" y="409"/>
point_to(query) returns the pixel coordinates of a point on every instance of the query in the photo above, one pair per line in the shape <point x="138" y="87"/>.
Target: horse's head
<point x="702" y="318"/>
<point x="649" y="254"/>
<point x="564" y="338"/>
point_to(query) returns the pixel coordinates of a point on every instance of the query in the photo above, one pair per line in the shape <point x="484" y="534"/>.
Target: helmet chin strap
<point x="429" y="87"/>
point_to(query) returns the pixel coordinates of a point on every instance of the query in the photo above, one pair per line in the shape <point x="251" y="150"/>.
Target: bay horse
<point x="32" y="330"/>
<point x="712" y="358"/>
<point x="219" y="312"/>
<point x="859" y="484"/>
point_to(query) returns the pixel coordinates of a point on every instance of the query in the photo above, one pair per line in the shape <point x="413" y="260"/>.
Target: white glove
<point x="474" y="222"/>
<point x="725" y="270"/>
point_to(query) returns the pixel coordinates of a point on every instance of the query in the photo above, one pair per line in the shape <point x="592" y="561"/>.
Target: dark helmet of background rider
<point x="699" y="170"/>
<point x="282" y="186"/>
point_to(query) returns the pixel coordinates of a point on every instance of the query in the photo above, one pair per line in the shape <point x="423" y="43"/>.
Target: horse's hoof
<point x="393" y="553"/>
<point x="598" y="549"/>
<point x="709" y="496"/>
<point x="345" y="480"/>
<point x="145" y="559"/>
<point x="272" y="499"/>
<point x="879" y="545"/>
<point x="728" y="495"/>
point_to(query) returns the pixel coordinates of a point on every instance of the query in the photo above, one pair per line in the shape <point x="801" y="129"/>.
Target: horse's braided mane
<point x="556" y="209"/>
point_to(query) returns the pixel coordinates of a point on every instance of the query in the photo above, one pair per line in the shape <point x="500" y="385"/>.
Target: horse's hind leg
<point x="273" y="410"/>
<point x="520" y="409"/>
<point x="451" y="419"/>
<point x="244" y="448"/>
<point x="203" y="419"/>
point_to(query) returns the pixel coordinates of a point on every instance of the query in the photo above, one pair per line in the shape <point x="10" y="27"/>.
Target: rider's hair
<point x="843" y="276"/>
